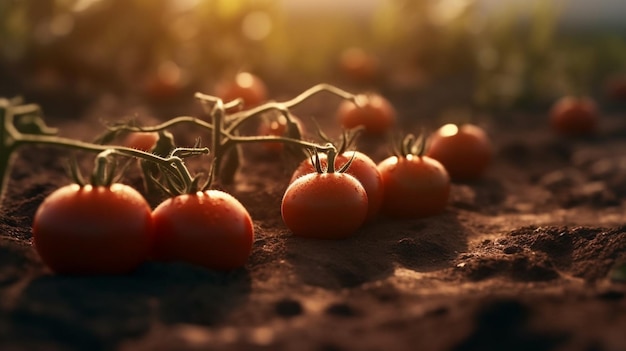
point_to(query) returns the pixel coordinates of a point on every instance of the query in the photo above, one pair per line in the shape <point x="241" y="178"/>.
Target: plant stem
<point x="331" y="156"/>
<point x="170" y="123"/>
<point x="270" y="138"/>
<point x="236" y="119"/>
<point x="11" y="139"/>
<point x="6" y="145"/>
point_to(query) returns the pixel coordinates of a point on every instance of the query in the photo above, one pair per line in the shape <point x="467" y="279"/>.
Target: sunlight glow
<point x="256" y="25"/>
<point x="184" y="5"/>
<point x="244" y="79"/>
<point x="446" y="11"/>
<point x="82" y="5"/>
<point x="449" y="130"/>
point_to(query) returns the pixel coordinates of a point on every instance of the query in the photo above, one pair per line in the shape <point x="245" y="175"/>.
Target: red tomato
<point x="375" y="114"/>
<point x="574" y="116"/>
<point x="465" y="151"/>
<point x="166" y="83"/>
<point x="93" y="230"/>
<point x="275" y="127"/>
<point x="324" y="206"/>
<point x="210" y="229"/>
<point x="415" y="186"/>
<point x="362" y="168"/>
<point x="246" y="86"/>
<point x="144" y="141"/>
<point x="357" y="65"/>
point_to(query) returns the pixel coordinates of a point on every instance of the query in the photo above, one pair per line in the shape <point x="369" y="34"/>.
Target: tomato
<point x="144" y="141"/>
<point x="275" y="126"/>
<point x="210" y="229"/>
<point x="324" y="206"/>
<point x="166" y="83"/>
<point x="415" y="186"/>
<point x="464" y="151"/>
<point x="574" y="116"/>
<point x="246" y="86"/>
<point x="358" y="65"/>
<point x="362" y="168"/>
<point x="93" y="230"/>
<point x="375" y="114"/>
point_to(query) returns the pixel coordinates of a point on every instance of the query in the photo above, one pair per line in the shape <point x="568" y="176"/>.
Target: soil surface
<point x="520" y="260"/>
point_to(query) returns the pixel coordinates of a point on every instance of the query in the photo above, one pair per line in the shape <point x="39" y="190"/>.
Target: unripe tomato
<point x="210" y="229"/>
<point x="415" y="186"/>
<point x="246" y="86"/>
<point x="93" y="230"/>
<point x="464" y="151"/>
<point x="375" y="114"/>
<point x="574" y="116"/>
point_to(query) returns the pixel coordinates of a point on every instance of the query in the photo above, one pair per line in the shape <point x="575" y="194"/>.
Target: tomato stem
<point x="238" y="118"/>
<point x="7" y="142"/>
<point x="224" y="132"/>
<point x="332" y="156"/>
<point x="11" y="139"/>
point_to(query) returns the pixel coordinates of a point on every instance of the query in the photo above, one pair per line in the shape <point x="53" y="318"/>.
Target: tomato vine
<point x="23" y="124"/>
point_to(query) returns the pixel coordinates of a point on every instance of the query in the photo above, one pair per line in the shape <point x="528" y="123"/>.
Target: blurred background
<point x="501" y="53"/>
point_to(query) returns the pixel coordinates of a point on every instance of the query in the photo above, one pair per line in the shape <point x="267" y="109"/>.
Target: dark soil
<point x="520" y="260"/>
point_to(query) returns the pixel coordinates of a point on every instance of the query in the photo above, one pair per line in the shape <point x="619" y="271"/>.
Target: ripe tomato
<point x="93" y="230"/>
<point x="275" y="126"/>
<point x="246" y="86"/>
<point x="415" y="186"/>
<point x="574" y="116"/>
<point x="358" y="65"/>
<point x="362" y="168"/>
<point x="166" y="83"/>
<point x="324" y="206"/>
<point x="144" y="141"/>
<point x="210" y="229"/>
<point x="375" y="114"/>
<point x="464" y="151"/>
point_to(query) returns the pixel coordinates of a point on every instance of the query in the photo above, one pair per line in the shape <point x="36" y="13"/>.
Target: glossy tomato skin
<point x="415" y="186"/>
<point x="93" y="230"/>
<point x="324" y="206"/>
<point x="247" y="86"/>
<point x="362" y="168"/>
<point x="144" y="141"/>
<point x="376" y="114"/>
<point x="574" y="116"/>
<point x="210" y="229"/>
<point x="465" y="151"/>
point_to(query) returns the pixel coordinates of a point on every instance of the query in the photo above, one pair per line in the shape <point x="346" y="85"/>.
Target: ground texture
<point x="520" y="260"/>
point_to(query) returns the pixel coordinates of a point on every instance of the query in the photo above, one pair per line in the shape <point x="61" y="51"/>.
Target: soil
<point x="520" y="260"/>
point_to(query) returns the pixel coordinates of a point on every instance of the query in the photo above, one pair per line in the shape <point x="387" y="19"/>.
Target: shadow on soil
<point x="94" y="313"/>
<point x="376" y="250"/>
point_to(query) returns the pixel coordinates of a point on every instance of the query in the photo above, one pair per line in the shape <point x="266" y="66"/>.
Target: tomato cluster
<point x="329" y="196"/>
<point x="210" y="229"/>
